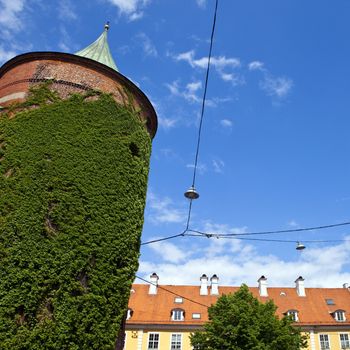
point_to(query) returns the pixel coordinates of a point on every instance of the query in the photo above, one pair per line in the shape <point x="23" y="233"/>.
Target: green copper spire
<point x="99" y="50"/>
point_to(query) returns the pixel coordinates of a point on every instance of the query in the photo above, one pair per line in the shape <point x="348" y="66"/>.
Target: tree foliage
<point x="239" y="321"/>
<point x="73" y="180"/>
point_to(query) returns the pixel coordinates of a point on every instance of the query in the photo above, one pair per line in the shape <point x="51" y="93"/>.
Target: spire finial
<point x="107" y="26"/>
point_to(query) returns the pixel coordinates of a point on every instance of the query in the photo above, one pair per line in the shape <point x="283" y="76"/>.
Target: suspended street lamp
<point x="191" y="193"/>
<point x="300" y="246"/>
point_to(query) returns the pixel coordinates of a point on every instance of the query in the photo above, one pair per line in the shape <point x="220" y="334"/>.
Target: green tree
<point x="239" y="321"/>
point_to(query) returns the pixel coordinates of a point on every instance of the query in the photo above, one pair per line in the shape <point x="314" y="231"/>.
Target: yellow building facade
<point x="162" y="317"/>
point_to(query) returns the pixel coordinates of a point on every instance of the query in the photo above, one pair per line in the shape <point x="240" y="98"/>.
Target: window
<point x="324" y="342"/>
<point x="175" y="342"/>
<point x="330" y="302"/>
<point x="196" y="316"/>
<point x="344" y="341"/>
<point x="153" y="341"/>
<point x="177" y="315"/>
<point x="339" y="315"/>
<point x="293" y="314"/>
<point x="178" y="300"/>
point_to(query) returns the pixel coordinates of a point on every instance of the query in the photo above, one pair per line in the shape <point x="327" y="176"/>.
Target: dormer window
<point x="293" y="314"/>
<point x="339" y="315"/>
<point x="129" y="314"/>
<point x="177" y="315"/>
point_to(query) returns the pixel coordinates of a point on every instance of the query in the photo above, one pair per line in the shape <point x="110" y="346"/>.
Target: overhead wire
<point x="204" y="96"/>
<point x="164" y="238"/>
<point x="199" y="134"/>
<point x="278" y="231"/>
<point x="213" y="235"/>
<point x="239" y="235"/>
<point x="202" y="112"/>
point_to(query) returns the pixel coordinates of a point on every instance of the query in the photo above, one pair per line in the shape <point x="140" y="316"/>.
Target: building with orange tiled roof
<point x="161" y="317"/>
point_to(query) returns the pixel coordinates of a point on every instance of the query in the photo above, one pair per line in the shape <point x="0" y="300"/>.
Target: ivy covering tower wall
<point x="73" y="180"/>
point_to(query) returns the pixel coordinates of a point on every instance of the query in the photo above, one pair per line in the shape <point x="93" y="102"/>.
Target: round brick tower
<point x="75" y="143"/>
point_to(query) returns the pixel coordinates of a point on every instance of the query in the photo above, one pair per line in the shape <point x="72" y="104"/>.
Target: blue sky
<point x="275" y="142"/>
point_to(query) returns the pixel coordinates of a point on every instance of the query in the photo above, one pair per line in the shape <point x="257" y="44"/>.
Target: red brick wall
<point x="71" y="74"/>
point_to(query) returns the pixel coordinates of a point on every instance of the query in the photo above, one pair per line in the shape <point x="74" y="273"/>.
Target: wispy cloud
<point x="201" y="3"/>
<point x="65" y="43"/>
<point x="9" y="13"/>
<point x="220" y="63"/>
<point x="133" y="9"/>
<point x="169" y="251"/>
<point x="148" y="47"/>
<point x="164" y="122"/>
<point x="167" y="123"/>
<point x="275" y="86"/>
<point x="10" y="17"/>
<point x="201" y="167"/>
<point x="5" y="55"/>
<point x="218" y="165"/>
<point x="188" y="92"/>
<point x="293" y="223"/>
<point x="66" y="10"/>
<point x="162" y="210"/>
<point x="191" y="93"/>
<point x="278" y="87"/>
<point x="226" y="123"/>
<point x="256" y="65"/>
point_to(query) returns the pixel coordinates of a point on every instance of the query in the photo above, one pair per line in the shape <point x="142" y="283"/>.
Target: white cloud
<point x="218" y="165"/>
<point x="201" y="167"/>
<point x="256" y="65"/>
<point x="226" y="123"/>
<point x="136" y="16"/>
<point x="169" y="154"/>
<point x="169" y="252"/>
<point x="162" y="210"/>
<point x="65" y="42"/>
<point x="278" y="87"/>
<point x="148" y="47"/>
<point x="188" y="92"/>
<point x="220" y="63"/>
<point x="9" y="13"/>
<point x="167" y="123"/>
<point x="66" y="10"/>
<point x="131" y="8"/>
<point x="164" y="122"/>
<point x="236" y="262"/>
<point x="201" y="3"/>
<point x="194" y="86"/>
<point x="5" y="55"/>
<point x="293" y="223"/>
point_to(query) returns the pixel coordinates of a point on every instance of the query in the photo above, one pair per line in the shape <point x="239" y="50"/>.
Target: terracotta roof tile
<point x="312" y="309"/>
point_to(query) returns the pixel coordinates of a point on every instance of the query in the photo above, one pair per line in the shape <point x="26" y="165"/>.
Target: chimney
<point x="299" y="283"/>
<point x="154" y="284"/>
<point x="204" y="285"/>
<point x="214" y="290"/>
<point x="263" y="286"/>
